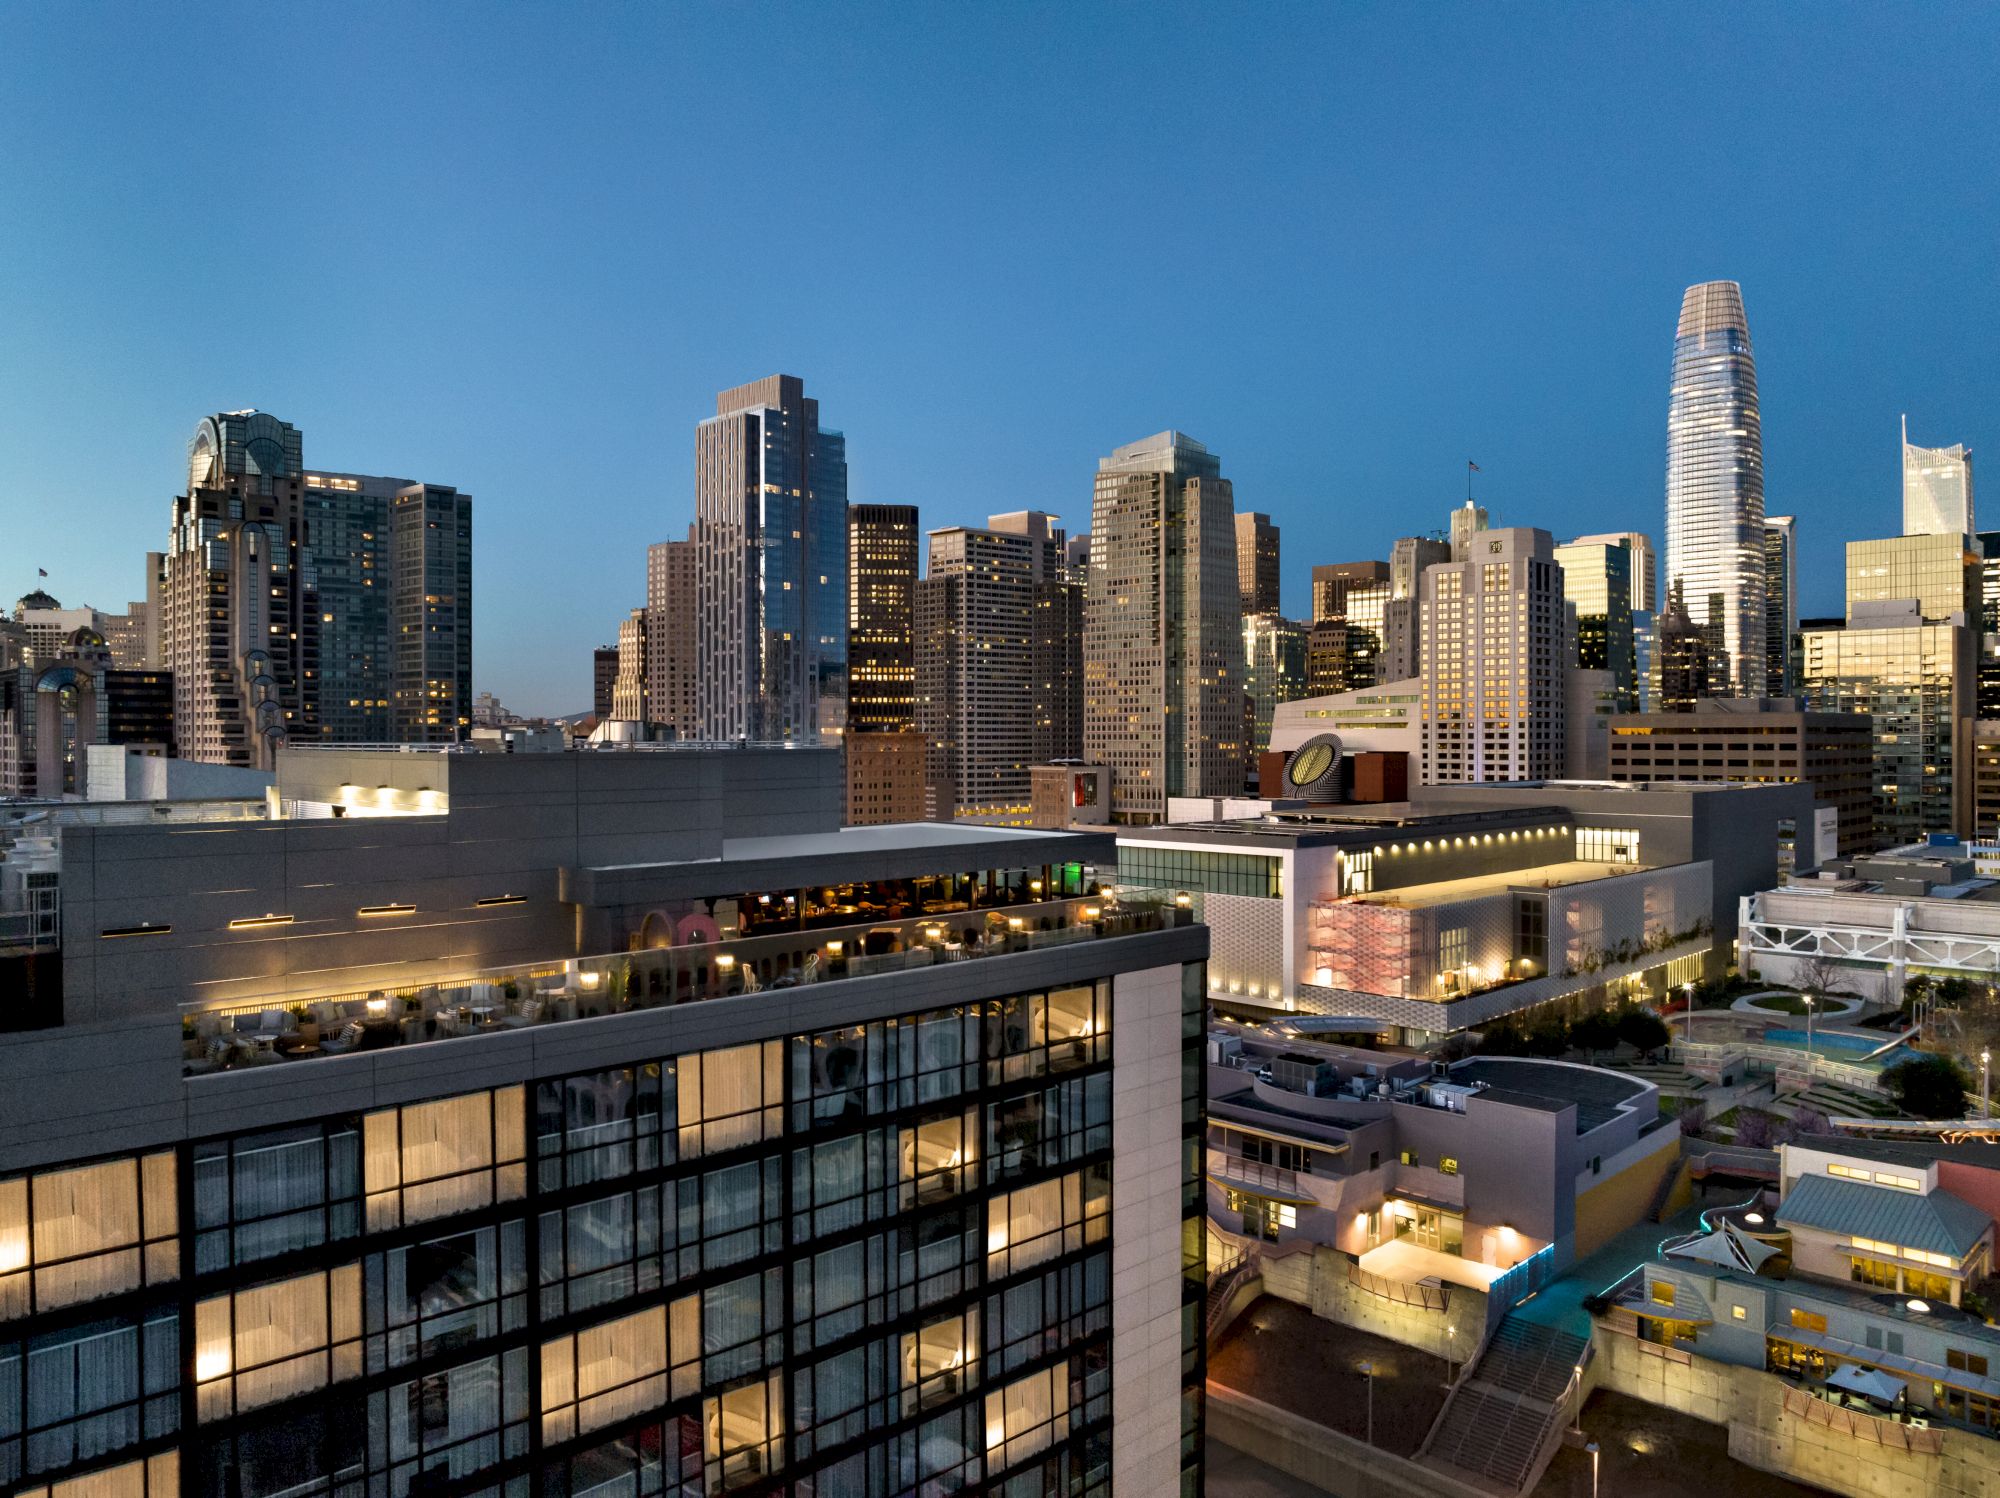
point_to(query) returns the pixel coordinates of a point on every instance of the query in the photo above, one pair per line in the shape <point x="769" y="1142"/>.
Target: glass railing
<point x="499" y="999"/>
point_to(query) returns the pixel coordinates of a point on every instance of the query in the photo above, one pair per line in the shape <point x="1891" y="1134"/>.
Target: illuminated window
<point x="1448" y="1165"/>
<point x="430" y="1160"/>
<point x="1037" y="1223"/>
<point x="1663" y="1292"/>
<point x="730" y="1098"/>
<point x="74" y="1235"/>
<point x="1737" y="1313"/>
<point x="1808" y="1321"/>
<point x="273" y="1341"/>
<point x="1027" y="1416"/>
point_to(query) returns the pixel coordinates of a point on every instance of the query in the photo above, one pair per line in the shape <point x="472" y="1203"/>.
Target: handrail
<point x="1424" y="1297"/>
<point x="1862" y="1424"/>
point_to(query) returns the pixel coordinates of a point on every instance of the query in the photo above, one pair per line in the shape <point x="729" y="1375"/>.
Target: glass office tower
<point x="1937" y="489"/>
<point x="1715" y="481"/>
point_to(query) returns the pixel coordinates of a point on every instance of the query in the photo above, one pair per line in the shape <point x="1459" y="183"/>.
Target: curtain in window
<point x="91" y="1211"/>
<point x="76" y="1382"/>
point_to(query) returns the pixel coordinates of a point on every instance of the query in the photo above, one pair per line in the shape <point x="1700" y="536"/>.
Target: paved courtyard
<point x="1648" y="1452"/>
<point x="1286" y="1356"/>
<point x="1231" y="1474"/>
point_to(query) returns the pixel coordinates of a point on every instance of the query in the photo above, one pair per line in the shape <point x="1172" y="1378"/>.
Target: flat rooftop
<point x="1598" y="1094"/>
<point x="1542" y="876"/>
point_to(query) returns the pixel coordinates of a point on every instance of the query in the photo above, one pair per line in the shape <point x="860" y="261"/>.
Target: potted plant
<point x="306" y="1023"/>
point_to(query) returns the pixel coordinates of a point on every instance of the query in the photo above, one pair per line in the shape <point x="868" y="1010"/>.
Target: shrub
<point x="1929" y="1087"/>
<point x="1644" y="1031"/>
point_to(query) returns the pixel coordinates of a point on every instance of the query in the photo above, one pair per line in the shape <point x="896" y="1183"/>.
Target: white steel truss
<point x="1899" y="948"/>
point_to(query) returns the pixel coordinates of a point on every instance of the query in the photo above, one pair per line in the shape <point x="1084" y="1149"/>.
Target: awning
<point x="1728" y="1247"/>
<point x="1866" y="1381"/>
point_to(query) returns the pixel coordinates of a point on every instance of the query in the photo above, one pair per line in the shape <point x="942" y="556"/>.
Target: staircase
<point x="1497" y="1424"/>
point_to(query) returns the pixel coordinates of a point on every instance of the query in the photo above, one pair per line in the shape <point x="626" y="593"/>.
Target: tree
<point x="1929" y="1087"/>
<point x="1549" y="1038"/>
<point x="1694" y="1117"/>
<point x="1594" y="1032"/>
<point x="1818" y="973"/>
<point x="1644" y="1031"/>
<point x="1753" y="1129"/>
<point x="1807" y="1122"/>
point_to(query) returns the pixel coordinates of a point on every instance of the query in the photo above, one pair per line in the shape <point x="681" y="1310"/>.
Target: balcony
<point x="1272" y="1182"/>
<point x="494" y="1000"/>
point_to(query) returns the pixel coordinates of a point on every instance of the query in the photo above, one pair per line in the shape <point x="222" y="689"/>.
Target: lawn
<point x="1781" y="1003"/>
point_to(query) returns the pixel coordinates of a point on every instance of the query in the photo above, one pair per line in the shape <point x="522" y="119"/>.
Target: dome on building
<point x="87" y="643"/>
<point x="35" y="600"/>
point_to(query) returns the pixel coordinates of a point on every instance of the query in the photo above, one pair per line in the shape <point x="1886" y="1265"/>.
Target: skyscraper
<point x="1781" y="603"/>
<point x="1937" y="489"/>
<point x="771" y="551"/>
<point x="1055" y="636"/>
<point x="241" y="633"/>
<point x="628" y="688"/>
<point x="1494" y="704"/>
<point x="974" y="674"/>
<point x="603" y="679"/>
<point x="1680" y="659"/>
<point x="1274" y="671"/>
<point x="1645" y="566"/>
<point x="1257" y="562"/>
<point x="1163" y="675"/>
<point x="1467" y="521"/>
<point x="1597" y="587"/>
<point x="881" y="642"/>
<point x="392" y="563"/>
<point x="672" y="589"/>
<point x="1401" y="656"/>
<point x="1715" y="482"/>
<point x="1351" y="615"/>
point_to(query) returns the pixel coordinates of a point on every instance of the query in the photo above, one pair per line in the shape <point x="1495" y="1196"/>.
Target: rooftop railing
<point x="493" y="1000"/>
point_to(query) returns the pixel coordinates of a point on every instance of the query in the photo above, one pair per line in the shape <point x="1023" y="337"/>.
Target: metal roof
<point x="1938" y="1223"/>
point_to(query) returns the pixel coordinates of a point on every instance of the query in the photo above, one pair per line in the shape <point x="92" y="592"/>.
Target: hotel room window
<point x="68" y="1236"/>
<point x="429" y="1160"/>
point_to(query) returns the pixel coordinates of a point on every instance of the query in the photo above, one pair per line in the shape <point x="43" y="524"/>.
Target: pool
<point x="1838" y="1045"/>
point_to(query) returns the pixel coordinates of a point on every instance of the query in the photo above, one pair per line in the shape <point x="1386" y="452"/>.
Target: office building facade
<point x="1645" y="564"/>
<point x="1916" y="683"/>
<point x="628" y="687"/>
<point x="391" y="561"/>
<point x="1274" y="671"/>
<point x="673" y="585"/>
<point x="1715" y="483"/>
<point x="771" y="553"/>
<point x="1163" y="678"/>
<point x="1941" y="574"/>
<point x="1495" y="707"/>
<point x="1257" y="563"/>
<point x="930" y="1223"/>
<point x="1781" y="602"/>
<point x="1597" y="588"/>
<point x="603" y="679"/>
<point x="999" y="661"/>
<point x="1937" y="489"/>
<point x="1763" y="740"/>
<point x="242" y="626"/>
<point x="882" y="542"/>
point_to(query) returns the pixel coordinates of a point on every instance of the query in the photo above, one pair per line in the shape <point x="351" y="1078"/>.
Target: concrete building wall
<point x="1146" y="1175"/>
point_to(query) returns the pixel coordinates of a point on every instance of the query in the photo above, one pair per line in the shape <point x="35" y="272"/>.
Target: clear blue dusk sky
<point x="518" y="248"/>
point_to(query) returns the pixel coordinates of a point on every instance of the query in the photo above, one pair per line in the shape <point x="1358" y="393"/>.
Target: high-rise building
<point x="1467" y="522"/>
<point x="1401" y="655"/>
<point x="1163" y="684"/>
<point x="44" y="628"/>
<point x="1937" y="489"/>
<point x="771" y="550"/>
<point x="1493" y="623"/>
<point x="672" y="589"/>
<point x="996" y="658"/>
<point x="1274" y="671"/>
<point x="1055" y="638"/>
<point x="885" y="777"/>
<point x="604" y="679"/>
<point x="1257" y="562"/>
<point x="1645" y="638"/>
<point x="1597" y="588"/>
<point x="1681" y="659"/>
<point x="392" y="560"/>
<point x="1715" y="484"/>
<point x="1781" y="601"/>
<point x="1353" y="604"/>
<point x="628" y="688"/>
<point x="242" y="626"/>
<point x="1335" y="584"/>
<point x="881" y="623"/>
<point x="1942" y="574"/>
<point x="1645" y="567"/>
<point x="1916" y="682"/>
<point x="620" y="1157"/>
<point x="1988" y="545"/>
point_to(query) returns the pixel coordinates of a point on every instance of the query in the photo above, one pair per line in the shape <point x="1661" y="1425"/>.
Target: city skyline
<point x="588" y="317"/>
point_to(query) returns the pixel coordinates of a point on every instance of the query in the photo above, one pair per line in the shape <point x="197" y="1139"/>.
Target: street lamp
<point x="1450" y="1357"/>
<point x="1592" y="1449"/>
<point x="1985" y="1062"/>
<point x="1809" y="1050"/>
<point x="1690" y="997"/>
<point x="1368" y="1372"/>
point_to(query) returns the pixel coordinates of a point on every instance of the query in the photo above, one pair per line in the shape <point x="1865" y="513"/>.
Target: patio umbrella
<point x="1866" y="1381"/>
